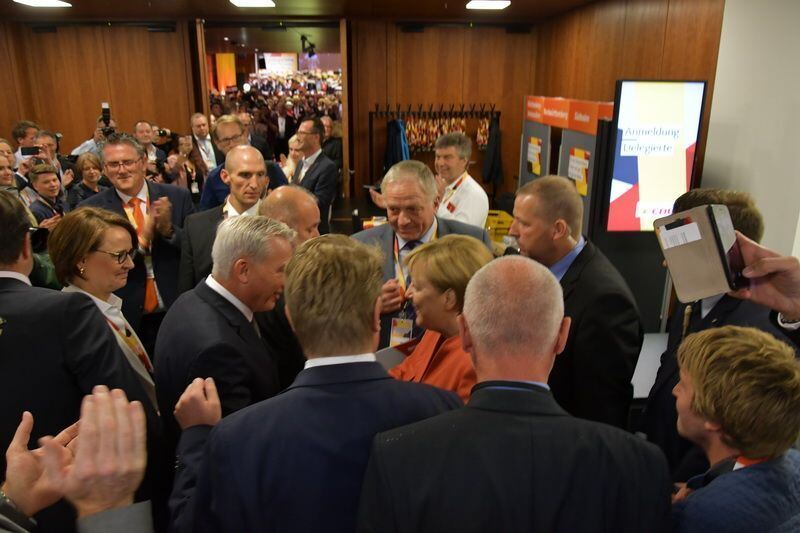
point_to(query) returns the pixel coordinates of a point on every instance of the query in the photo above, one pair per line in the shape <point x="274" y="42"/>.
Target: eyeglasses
<point x="232" y="138"/>
<point x="116" y="165"/>
<point x="121" y="257"/>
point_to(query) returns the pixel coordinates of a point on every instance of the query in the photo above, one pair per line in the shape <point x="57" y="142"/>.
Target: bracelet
<point x="10" y="511"/>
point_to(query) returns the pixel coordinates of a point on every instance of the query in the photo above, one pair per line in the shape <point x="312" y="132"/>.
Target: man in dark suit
<point x="410" y="194"/>
<point x="254" y="139"/>
<point x="201" y="138"/>
<point x="157" y="212"/>
<point x="228" y="133"/>
<point x="210" y="330"/>
<point x="245" y="175"/>
<point x="659" y="417"/>
<point x="54" y="348"/>
<point x="316" y="172"/>
<point x="297" y="208"/>
<point x="295" y="462"/>
<point x="592" y="378"/>
<point x="513" y="459"/>
<point x="280" y="128"/>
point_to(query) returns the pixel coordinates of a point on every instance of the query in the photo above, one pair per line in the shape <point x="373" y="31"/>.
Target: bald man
<point x="245" y="175"/>
<point x="296" y="207"/>
<point x="512" y="456"/>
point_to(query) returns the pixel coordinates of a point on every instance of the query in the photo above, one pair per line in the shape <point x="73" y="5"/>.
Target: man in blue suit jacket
<point x="295" y="462"/>
<point x="738" y="399"/>
<point x="228" y="133"/>
<point x="409" y="190"/>
<point x="316" y="171"/>
<point x="158" y="217"/>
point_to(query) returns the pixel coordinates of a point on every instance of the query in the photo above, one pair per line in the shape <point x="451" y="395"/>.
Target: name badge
<point x="401" y="331"/>
<point x="195" y="188"/>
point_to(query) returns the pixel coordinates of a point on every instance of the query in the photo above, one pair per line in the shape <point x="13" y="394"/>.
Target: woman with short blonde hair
<point x="440" y="271"/>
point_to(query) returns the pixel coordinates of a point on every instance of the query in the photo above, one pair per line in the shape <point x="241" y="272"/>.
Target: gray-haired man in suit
<point x="409" y="191"/>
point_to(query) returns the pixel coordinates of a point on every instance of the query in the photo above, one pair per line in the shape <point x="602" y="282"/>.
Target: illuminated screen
<point x="657" y="125"/>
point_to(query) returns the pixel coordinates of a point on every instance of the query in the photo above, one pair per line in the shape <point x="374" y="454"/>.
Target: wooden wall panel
<point x="582" y="53"/>
<point x="579" y="54"/>
<point x="645" y="27"/>
<point x="10" y="104"/>
<point x="368" y="73"/>
<point x="430" y="66"/>
<point x="60" y="79"/>
<point x="148" y="76"/>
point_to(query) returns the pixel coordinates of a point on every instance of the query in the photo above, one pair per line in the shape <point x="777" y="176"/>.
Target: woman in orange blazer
<point x="440" y="271"/>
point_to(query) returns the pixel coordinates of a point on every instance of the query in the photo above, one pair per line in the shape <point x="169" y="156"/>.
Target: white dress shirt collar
<point x="426" y="237"/>
<point x="142" y="195"/>
<point x="15" y="275"/>
<point x="215" y="286"/>
<point x="111" y="308"/>
<point x="308" y="161"/>
<point x="340" y="360"/>
<point x="231" y="212"/>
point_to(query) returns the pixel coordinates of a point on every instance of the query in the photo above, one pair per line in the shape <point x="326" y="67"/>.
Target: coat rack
<point x="424" y="113"/>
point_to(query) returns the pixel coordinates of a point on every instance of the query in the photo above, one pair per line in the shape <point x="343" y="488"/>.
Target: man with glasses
<point x="316" y="171"/>
<point x="228" y="133"/>
<point x="157" y="212"/>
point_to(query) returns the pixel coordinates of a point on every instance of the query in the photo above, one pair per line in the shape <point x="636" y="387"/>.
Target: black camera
<point x="162" y="133"/>
<point x="106" y="115"/>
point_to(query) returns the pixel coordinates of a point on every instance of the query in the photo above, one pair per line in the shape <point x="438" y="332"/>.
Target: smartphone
<point x="373" y="187"/>
<point x="733" y="263"/>
<point x="28" y="151"/>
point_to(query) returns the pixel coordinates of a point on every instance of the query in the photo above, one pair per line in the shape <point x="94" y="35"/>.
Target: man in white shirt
<point x="463" y="198"/>
<point x="275" y="451"/>
<point x="93" y="145"/>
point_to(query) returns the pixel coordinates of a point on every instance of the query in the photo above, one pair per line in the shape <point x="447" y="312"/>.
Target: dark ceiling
<point x="212" y="10"/>
<point x="326" y="39"/>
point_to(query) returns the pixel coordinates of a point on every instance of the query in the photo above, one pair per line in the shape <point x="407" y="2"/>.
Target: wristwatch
<point x="791" y="325"/>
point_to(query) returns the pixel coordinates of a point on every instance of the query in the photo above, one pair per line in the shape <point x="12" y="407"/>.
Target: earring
<point x="81" y="270"/>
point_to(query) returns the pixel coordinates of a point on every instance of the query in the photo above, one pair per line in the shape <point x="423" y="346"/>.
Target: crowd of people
<point x="214" y="360"/>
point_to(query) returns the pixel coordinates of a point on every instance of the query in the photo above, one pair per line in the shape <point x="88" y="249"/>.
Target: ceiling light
<point x="253" y="3"/>
<point x="225" y="39"/>
<point x="488" y="4"/>
<point x="44" y="3"/>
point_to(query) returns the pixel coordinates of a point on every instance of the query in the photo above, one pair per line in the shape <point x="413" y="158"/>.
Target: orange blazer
<point x="439" y="362"/>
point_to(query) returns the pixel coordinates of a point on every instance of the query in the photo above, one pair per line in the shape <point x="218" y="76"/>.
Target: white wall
<point x="754" y="134"/>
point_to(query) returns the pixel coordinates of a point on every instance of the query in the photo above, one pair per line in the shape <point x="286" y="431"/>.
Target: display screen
<point x="656" y="124"/>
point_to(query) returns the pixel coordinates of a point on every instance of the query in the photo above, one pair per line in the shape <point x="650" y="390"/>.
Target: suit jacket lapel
<point x="387" y="243"/>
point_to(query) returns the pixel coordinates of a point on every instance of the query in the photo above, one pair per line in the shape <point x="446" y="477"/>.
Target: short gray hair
<point x="245" y="236"/>
<point x="121" y="138"/>
<point x="414" y="171"/>
<point x="513" y="305"/>
<point x="462" y="143"/>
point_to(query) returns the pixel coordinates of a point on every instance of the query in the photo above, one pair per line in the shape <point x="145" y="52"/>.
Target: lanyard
<point x="401" y="279"/>
<point x="452" y="191"/>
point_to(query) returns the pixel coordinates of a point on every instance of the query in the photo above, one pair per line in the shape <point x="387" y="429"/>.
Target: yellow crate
<point x="497" y="224"/>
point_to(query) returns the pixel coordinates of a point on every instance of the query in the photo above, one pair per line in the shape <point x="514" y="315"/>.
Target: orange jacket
<point x="439" y="362"/>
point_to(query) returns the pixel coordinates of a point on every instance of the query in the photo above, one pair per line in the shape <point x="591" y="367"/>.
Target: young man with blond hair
<point x="295" y="462"/>
<point x="738" y="399"/>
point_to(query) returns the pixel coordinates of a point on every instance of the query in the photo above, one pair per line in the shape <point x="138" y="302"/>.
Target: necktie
<point x="150" y="295"/>
<point x="410" y="312"/>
